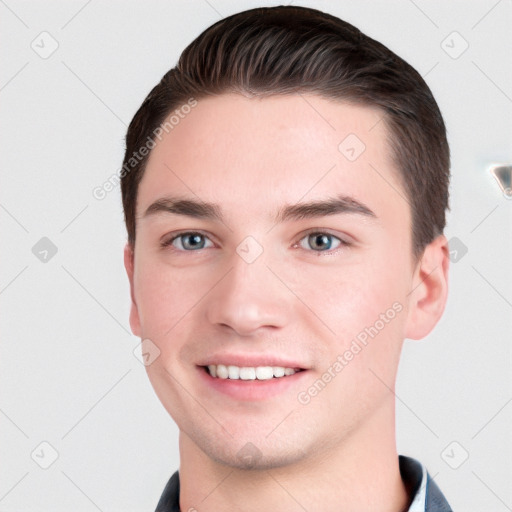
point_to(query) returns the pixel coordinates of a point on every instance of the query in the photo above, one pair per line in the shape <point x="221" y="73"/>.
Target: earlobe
<point x="129" y="265"/>
<point x="429" y="290"/>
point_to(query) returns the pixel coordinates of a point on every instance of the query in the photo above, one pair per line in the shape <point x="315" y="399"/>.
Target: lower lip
<point x="250" y="390"/>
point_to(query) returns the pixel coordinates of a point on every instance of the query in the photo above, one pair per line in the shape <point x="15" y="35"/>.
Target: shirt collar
<point x="419" y="502"/>
<point x="415" y="478"/>
<point x="413" y="473"/>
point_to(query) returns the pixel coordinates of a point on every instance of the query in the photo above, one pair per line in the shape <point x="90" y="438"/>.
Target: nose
<point x="249" y="298"/>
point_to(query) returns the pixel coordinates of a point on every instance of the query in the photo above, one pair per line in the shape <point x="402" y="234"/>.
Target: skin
<point x="297" y="300"/>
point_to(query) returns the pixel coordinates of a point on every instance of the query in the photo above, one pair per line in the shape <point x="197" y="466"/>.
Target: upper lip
<point x="251" y="360"/>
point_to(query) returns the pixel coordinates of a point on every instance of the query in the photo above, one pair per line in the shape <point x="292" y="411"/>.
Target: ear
<point x="427" y="298"/>
<point x="129" y="265"/>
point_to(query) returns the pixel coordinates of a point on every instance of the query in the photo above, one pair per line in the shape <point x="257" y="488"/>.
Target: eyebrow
<point x="209" y="211"/>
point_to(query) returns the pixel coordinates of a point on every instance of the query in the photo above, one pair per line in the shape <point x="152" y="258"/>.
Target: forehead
<point x="254" y="154"/>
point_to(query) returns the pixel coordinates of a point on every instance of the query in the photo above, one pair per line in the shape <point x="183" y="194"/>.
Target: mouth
<point x="248" y="377"/>
<point x="249" y="373"/>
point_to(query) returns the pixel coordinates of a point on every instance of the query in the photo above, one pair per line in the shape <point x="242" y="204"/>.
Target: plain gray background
<point x="69" y="376"/>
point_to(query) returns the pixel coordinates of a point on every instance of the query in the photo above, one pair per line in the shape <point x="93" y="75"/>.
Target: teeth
<point x="278" y="371"/>
<point x="264" y="372"/>
<point x="233" y="372"/>
<point x="222" y="371"/>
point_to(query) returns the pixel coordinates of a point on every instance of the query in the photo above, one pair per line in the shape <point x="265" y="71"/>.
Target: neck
<point x="359" y="474"/>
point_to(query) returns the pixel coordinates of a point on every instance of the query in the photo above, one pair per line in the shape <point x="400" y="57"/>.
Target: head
<point x="306" y="167"/>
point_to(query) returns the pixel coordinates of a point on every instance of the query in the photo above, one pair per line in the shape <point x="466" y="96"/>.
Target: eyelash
<point x="343" y="243"/>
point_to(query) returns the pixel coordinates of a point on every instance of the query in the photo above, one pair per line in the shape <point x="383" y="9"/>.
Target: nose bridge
<point x="249" y="296"/>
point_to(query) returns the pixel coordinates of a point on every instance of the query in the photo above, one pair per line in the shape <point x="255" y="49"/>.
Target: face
<point x="252" y="278"/>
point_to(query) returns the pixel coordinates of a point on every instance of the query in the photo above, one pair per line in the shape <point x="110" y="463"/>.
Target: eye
<point x="322" y="242"/>
<point x="191" y="241"/>
<point x="188" y="241"/>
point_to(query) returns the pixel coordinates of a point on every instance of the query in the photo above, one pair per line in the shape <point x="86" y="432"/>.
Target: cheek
<point x="367" y="317"/>
<point x="349" y="298"/>
<point x="363" y="305"/>
<point x="165" y="296"/>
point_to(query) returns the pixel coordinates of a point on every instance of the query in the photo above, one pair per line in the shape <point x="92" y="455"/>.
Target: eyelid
<point x="343" y="237"/>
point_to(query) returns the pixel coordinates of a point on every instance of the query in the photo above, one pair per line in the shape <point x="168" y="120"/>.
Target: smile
<point x="221" y="371"/>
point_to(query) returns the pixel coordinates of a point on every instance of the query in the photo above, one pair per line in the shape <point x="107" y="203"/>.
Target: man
<point x="284" y="189"/>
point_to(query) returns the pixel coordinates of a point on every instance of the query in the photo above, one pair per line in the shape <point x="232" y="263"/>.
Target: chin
<point x="257" y="453"/>
<point x="251" y="458"/>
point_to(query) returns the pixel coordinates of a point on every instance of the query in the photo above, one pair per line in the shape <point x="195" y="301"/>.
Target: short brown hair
<point x="286" y="50"/>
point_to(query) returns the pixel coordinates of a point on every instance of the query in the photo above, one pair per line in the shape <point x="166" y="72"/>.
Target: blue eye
<point x="188" y="241"/>
<point x="322" y="242"/>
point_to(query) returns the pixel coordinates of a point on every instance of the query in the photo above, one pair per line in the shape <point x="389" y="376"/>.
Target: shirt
<point x="426" y="496"/>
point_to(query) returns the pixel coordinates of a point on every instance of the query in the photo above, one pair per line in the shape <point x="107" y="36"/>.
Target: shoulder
<point x="170" y="499"/>
<point x="434" y="499"/>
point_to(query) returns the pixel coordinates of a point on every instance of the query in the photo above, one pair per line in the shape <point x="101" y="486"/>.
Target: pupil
<point x="321" y="240"/>
<point x="194" y="240"/>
